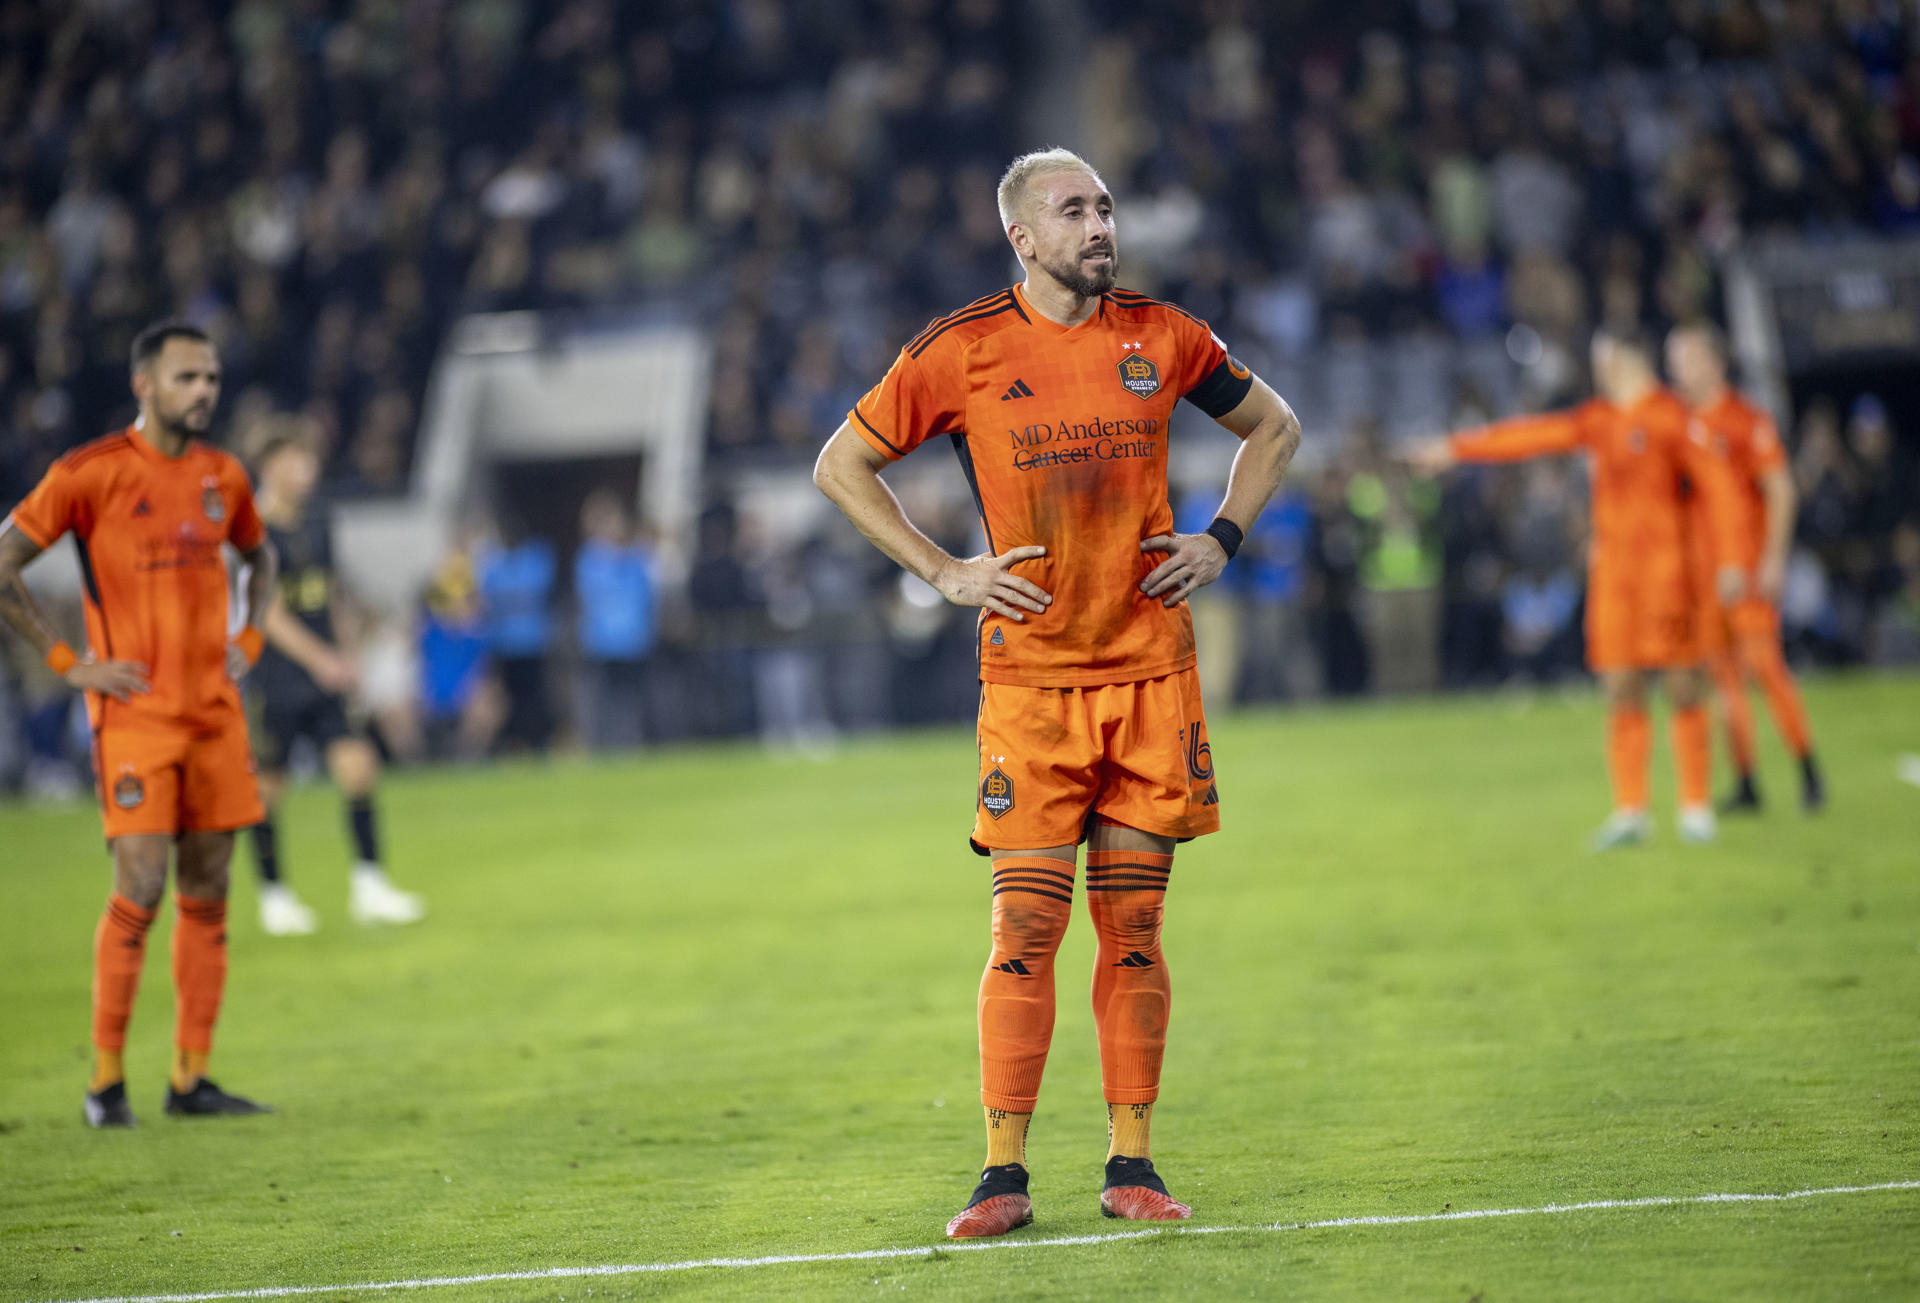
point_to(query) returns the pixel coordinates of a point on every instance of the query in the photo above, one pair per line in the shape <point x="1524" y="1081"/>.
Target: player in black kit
<point x="301" y="686"/>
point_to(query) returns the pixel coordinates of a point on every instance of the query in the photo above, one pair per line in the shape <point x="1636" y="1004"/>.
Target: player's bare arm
<point x="328" y="665"/>
<point x="848" y="472"/>
<point x="1783" y="503"/>
<point x="117" y="679"/>
<point x="1269" y="435"/>
<point x="263" y="572"/>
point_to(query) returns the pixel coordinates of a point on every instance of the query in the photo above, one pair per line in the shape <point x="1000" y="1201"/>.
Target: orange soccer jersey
<point x="149" y="530"/>
<point x="1062" y="432"/>
<point x="1651" y="475"/>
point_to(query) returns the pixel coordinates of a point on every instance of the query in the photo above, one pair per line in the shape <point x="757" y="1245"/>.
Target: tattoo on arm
<point x="17" y="605"/>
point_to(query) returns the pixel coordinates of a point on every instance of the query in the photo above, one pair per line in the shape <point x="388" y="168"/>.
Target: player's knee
<point x="1130" y="921"/>
<point x="205" y="859"/>
<point x="1027" y="931"/>
<point x="272" y="787"/>
<point x="355" y="766"/>
<point x="140" y="869"/>
<point x="1684" y="688"/>
<point x="1626" y="690"/>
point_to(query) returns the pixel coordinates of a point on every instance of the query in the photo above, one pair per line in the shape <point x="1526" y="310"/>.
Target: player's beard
<point x="189" y="422"/>
<point x="1076" y="279"/>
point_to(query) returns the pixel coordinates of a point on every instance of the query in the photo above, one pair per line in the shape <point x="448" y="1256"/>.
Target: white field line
<point x="979" y="1246"/>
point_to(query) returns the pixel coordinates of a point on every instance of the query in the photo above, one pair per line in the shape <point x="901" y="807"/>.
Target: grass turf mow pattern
<point x="712" y="1005"/>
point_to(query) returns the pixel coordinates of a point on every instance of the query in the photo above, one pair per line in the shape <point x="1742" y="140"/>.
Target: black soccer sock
<point x="366" y="844"/>
<point x="266" y="850"/>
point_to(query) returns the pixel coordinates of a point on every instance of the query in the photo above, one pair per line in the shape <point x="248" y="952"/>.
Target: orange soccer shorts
<point x="176" y="776"/>
<point x="1647" y="618"/>
<point x="1053" y="759"/>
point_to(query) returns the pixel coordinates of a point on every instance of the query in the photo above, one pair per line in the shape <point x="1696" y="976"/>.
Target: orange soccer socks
<point x="1737" y="713"/>
<point x="1629" y="747"/>
<point x="1132" y="994"/>
<point x="1764" y="658"/>
<point x="119" y="949"/>
<point x="199" y="980"/>
<point x="1032" y="901"/>
<point x="1693" y="755"/>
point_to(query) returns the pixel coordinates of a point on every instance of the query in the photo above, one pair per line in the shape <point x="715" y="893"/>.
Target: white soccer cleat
<point x="1696" y="825"/>
<point x="372" y="899"/>
<point x="283" y="914"/>
<point x="1622" y="828"/>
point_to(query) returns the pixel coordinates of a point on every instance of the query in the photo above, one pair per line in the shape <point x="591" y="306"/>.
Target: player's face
<point x="181" y="386"/>
<point x="1605" y="357"/>
<point x="1692" y="362"/>
<point x="293" y="472"/>
<point x="1070" y="221"/>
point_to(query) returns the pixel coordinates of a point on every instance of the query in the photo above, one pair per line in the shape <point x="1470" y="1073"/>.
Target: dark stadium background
<point x="1405" y="215"/>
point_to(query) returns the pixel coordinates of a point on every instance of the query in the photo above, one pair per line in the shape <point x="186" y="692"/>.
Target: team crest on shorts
<point x="129" y="791"/>
<point x="1139" y="376"/>
<point x="996" y="793"/>
<point x="213" y="505"/>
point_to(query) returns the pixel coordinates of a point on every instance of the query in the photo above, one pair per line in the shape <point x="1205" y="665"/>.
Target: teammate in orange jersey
<point x="1057" y="395"/>
<point x="1650" y="474"/>
<point x="1745" y="641"/>
<point x="150" y="509"/>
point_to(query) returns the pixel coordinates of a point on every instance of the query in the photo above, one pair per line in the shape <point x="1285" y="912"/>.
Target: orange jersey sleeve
<point x="245" y="530"/>
<point x="924" y="392"/>
<point x="59" y="503"/>
<point x="1765" y="452"/>
<point x="1548" y="435"/>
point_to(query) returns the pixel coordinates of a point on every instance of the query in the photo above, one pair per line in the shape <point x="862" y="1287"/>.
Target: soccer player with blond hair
<point x="1057" y="395"/>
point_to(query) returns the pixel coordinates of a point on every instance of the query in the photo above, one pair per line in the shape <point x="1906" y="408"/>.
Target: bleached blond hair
<point x="1020" y="173"/>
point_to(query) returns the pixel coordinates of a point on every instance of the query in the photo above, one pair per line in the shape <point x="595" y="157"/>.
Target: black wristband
<point x="1226" y="534"/>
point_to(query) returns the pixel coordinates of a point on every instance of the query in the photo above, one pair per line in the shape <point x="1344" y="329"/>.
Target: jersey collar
<point x="145" y="448"/>
<point x="1049" y="326"/>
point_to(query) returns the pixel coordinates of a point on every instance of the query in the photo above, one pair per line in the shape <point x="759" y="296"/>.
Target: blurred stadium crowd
<point x="1407" y="214"/>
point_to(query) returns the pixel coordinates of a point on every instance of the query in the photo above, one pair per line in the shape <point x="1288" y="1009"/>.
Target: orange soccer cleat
<point x="1136" y="1193"/>
<point x="999" y="1205"/>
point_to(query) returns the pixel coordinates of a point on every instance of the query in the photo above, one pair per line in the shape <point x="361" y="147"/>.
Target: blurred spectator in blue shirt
<point x="516" y="590"/>
<point x="459" y="704"/>
<point x="613" y="585"/>
<point x="1277" y="661"/>
<point x="1539" y="605"/>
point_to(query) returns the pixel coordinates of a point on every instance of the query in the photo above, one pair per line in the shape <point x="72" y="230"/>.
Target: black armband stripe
<point x="1222" y="390"/>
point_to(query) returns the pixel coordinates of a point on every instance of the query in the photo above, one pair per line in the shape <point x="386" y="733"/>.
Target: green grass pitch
<point x="712" y="1003"/>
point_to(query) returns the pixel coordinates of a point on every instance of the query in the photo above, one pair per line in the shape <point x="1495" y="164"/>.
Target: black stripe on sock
<point x="1034" y="891"/>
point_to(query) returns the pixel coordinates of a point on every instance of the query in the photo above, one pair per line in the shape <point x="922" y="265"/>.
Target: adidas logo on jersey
<point x="1019" y="390"/>
<point x="144" y="508"/>
<point x="1016" y="967"/>
<point x="1135" y="960"/>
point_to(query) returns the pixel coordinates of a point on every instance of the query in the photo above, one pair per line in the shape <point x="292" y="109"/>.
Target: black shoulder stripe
<point x="939" y="322"/>
<point x="1135" y="299"/>
<point x="981" y="315"/>
<point x="86" y="452"/>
